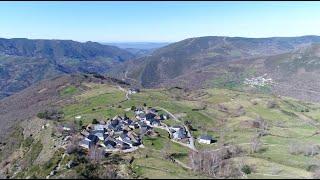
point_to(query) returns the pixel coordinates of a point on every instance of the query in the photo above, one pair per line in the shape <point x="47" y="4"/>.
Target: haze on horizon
<point x="156" y="21"/>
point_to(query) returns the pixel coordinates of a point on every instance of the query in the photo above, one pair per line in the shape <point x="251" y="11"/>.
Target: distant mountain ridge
<point x="180" y="58"/>
<point x="24" y="61"/>
<point x="138" y="45"/>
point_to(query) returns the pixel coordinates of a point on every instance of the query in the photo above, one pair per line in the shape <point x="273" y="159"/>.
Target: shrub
<point x="246" y="169"/>
<point x="95" y="121"/>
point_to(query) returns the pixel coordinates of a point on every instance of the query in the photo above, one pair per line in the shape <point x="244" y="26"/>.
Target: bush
<point x="246" y="169"/>
<point x="95" y="121"/>
<point x="272" y="104"/>
<point x="51" y="114"/>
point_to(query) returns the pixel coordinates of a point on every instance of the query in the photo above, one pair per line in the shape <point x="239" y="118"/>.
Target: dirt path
<point x="191" y="139"/>
<point x="127" y="93"/>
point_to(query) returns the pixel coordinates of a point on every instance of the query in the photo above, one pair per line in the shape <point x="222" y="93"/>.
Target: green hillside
<point x="287" y="148"/>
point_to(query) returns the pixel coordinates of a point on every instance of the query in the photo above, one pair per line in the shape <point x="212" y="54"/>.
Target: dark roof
<point x="150" y="116"/>
<point x="115" y="127"/>
<point x="206" y="137"/>
<point x="155" y="121"/>
<point x="114" y="122"/>
<point x="110" y="142"/>
<point x="93" y="138"/>
<point x="142" y="115"/>
<point x="97" y="131"/>
<point x="129" y="121"/>
<point x="182" y="133"/>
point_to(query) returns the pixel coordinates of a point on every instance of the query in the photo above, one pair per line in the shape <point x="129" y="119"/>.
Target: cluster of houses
<point x="258" y="81"/>
<point x="123" y="133"/>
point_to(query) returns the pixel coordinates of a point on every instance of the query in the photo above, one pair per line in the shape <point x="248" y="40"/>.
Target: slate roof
<point x="206" y="137"/>
<point x="93" y="138"/>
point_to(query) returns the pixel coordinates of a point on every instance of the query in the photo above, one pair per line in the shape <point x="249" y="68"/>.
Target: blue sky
<point x="156" y="21"/>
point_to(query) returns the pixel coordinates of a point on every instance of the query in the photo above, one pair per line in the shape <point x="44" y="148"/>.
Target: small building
<point x="153" y="122"/>
<point x="175" y="128"/>
<point x="98" y="127"/>
<point x="205" y="139"/>
<point x="93" y="138"/>
<point x="133" y="90"/>
<point x="110" y="144"/>
<point x="86" y="143"/>
<point x="180" y="134"/>
<point x="150" y="116"/>
<point x="153" y="110"/>
<point x="125" y="139"/>
<point x="66" y="128"/>
<point x="78" y="117"/>
<point x="141" y="117"/>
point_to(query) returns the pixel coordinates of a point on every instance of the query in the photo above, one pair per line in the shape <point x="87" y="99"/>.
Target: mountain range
<point x="211" y="61"/>
<point x="24" y="62"/>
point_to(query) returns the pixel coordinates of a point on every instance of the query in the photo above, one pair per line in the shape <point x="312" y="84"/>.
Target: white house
<point x="205" y="139"/>
<point x="66" y="128"/>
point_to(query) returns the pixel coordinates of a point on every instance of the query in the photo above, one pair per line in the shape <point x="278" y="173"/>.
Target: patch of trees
<point x="216" y="163"/>
<point x="51" y="114"/>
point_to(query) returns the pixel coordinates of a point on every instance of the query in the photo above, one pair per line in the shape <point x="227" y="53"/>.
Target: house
<point x="133" y="90"/>
<point x="138" y="111"/>
<point x="66" y="128"/>
<point x="86" y="143"/>
<point x="175" y="128"/>
<point x="125" y="139"/>
<point x="99" y="134"/>
<point x="165" y="116"/>
<point x="134" y="126"/>
<point x="144" y="129"/>
<point x="150" y="116"/>
<point x="152" y="110"/>
<point x="180" y="134"/>
<point x="110" y="144"/>
<point x="115" y="125"/>
<point x="93" y="138"/>
<point x="153" y="122"/>
<point x="128" y="121"/>
<point x="205" y="139"/>
<point x="85" y="133"/>
<point x="98" y="127"/>
<point x="141" y="117"/>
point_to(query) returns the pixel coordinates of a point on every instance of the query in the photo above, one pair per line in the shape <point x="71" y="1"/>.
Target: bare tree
<point x="214" y="163"/>
<point x="256" y="144"/>
<point x="95" y="154"/>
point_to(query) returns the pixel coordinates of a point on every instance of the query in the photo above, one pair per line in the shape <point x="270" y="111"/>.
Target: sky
<point x="156" y="21"/>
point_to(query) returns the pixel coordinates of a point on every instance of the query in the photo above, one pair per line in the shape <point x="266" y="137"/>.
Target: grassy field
<point x="289" y="122"/>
